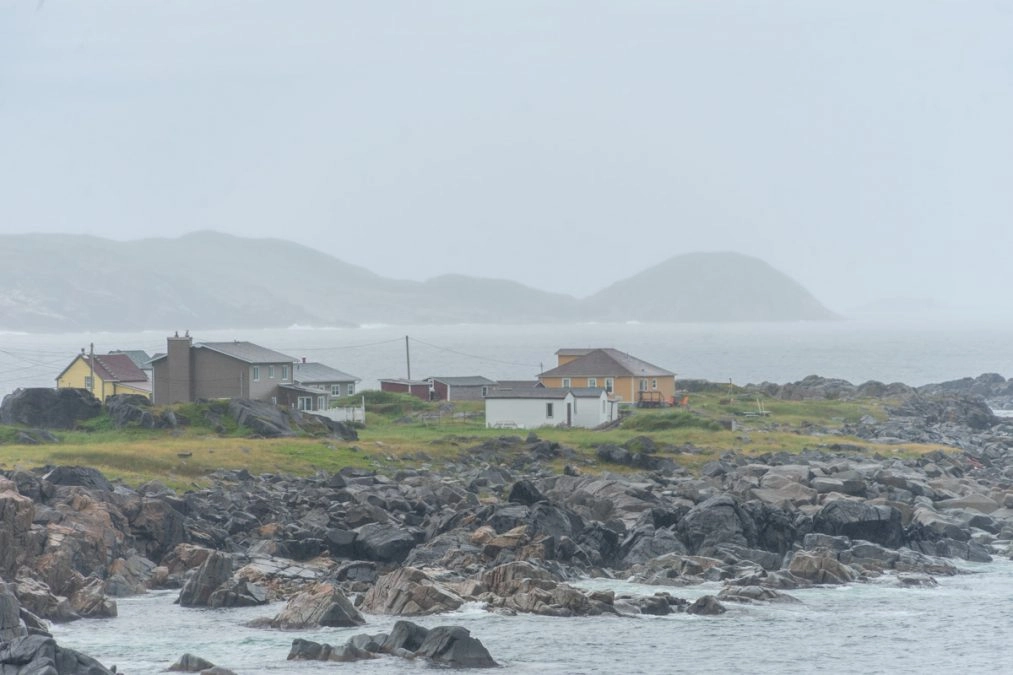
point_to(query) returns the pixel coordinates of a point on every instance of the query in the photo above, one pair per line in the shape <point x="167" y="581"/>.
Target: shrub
<point x="678" y="419"/>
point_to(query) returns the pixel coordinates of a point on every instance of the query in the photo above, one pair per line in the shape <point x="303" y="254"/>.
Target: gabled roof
<point x="607" y="363"/>
<point x="587" y="392"/>
<point x="555" y="393"/>
<point x="464" y="381"/>
<point x="111" y="368"/>
<point x="246" y="351"/>
<point x="517" y="384"/>
<point x="316" y="373"/>
<point x="138" y="356"/>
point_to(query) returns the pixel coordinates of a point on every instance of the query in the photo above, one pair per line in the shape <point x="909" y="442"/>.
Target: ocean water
<point x="914" y="351"/>
<point x="962" y="625"/>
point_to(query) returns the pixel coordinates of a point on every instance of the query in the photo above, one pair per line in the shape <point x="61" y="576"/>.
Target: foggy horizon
<point x="859" y="149"/>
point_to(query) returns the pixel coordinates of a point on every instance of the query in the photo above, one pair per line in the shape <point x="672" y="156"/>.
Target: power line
<point x="473" y="356"/>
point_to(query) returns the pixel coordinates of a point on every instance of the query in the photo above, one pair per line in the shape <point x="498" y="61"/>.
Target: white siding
<point x="524" y="413"/>
<point x="589" y="412"/>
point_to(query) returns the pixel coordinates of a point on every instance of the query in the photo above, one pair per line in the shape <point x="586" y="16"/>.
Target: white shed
<point x="525" y="408"/>
<point x="592" y="408"/>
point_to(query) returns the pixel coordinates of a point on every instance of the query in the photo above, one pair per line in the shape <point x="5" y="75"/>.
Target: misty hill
<point x="212" y="280"/>
<point x="707" y="287"/>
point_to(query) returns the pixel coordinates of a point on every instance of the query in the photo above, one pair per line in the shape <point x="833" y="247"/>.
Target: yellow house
<point x="630" y="379"/>
<point x="104" y="375"/>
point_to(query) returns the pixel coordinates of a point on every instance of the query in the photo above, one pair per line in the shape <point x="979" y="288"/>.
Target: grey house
<point x="189" y="371"/>
<point x="314" y="385"/>
<point x="467" y="388"/>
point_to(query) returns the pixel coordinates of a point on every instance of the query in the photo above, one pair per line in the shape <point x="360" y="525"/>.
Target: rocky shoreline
<point x="502" y="528"/>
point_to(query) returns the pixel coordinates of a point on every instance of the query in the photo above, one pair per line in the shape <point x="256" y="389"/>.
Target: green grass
<point x="403" y="431"/>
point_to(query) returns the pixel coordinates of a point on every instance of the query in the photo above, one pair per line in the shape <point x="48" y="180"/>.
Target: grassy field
<point x="404" y="432"/>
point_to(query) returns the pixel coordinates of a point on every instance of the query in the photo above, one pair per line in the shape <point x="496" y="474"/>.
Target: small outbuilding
<point x="530" y="408"/>
<point x="467" y="388"/>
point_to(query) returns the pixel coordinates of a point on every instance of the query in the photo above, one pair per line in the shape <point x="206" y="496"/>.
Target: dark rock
<point x="453" y="646"/>
<point x="49" y="408"/>
<point x="79" y="475"/>
<point x="706" y="605"/>
<point x="261" y="417"/>
<point x="383" y="543"/>
<point x="405" y="635"/>
<point x="213" y="572"/>
<point x="188" y="663"/>
<point x="525" y="492"/>
<point x="718" y="520"/>
<point x="880" y="524"/>
<point x="40" y="655"/>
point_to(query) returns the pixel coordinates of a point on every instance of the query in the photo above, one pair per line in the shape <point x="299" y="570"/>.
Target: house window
<point x="592" y="382"/>
<point x="654" y="384"/>
<point x="566" y="383"/>
<point x="609" y="384"/>
<point x="643" y="385"/>
<point x="321" y="403"/>
<point x="256" y="373"/>
<point x="89" y="383"/>
<point x="270" y="372"/>
<point x="335" y="390"/>
<point x="304" y="403"/>
<point x="485" y="391"/>
<point x="351" y="388"/>
<point x="548" y="411"/>
<point x="284" y="373"/>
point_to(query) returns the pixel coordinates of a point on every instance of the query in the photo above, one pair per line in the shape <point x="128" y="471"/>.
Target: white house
<point x="525" y="408"/>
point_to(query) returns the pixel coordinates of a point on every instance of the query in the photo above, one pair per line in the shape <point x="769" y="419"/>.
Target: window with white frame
<point x="304" y="403"/>
<point x="270" y="372"/>
<point x="351" y="388"/>
<point x="321" y="403"/>
<point x="89" y="382"/>
<point x="654" y="384"/>
<point x="592" y="382"/>
<point x="548" y="411"/>
<point x="256" y="373"/>
<point x="335" y="390"/>
<point x="610" y="383"/>
<point x="566" y="383"/>
<point x="284" y="373"/>
<point x="643" y="385"/>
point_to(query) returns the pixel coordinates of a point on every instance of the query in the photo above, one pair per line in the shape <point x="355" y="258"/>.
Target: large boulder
<point x="718" y="520"/>
<point x="409" y="592"/>
<point x="453" y="646"/>
<point x="213" y="572"/>
<point x="39" y="654"/>
<point x="131" y="410"/>
<point x="263" y="418"/>
<point x="80" y="476"/>
<point x="821" y="567"/>
<point x="322" y="605"/>
<point x="880" y="524"/>
<point x="47" y="408"/>
<point x="383" y="543"/>
<point x="16" y="515"/>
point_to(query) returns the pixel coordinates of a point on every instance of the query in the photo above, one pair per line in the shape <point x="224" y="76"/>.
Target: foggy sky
<point x="863" y="148"/>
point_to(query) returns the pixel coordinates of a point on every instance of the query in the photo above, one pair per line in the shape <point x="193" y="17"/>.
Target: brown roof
<point x="607" y="363"/>
<point x="117" y="368"/>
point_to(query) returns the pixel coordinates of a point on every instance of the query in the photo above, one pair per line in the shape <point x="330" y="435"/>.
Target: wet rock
<point x="189" y="663"/>
<point x="409" y="592"/>
<point x="453" y="646"/>
<point x="213" y="572"/>
<point x="322" y="605"/>
<point x="707" y="605"/>
<point x="880" y="524"/>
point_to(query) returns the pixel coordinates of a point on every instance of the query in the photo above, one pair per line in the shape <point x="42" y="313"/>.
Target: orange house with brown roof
<point x="622" y="375"/>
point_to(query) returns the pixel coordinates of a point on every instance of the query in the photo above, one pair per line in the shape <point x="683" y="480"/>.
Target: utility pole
<point x="408" y="360"/>
<point x="91" y="363"/>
